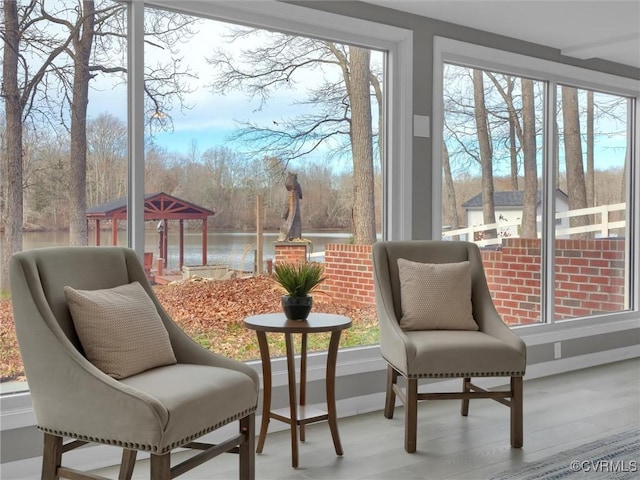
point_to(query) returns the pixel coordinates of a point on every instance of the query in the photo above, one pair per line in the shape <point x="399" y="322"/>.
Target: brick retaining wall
<point x="589" y="276"/>
<point x="350" y="273"/>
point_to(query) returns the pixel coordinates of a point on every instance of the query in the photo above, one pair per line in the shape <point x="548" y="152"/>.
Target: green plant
<point x="299" y="279"/>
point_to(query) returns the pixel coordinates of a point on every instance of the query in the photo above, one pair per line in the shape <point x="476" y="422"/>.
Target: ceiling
<point x="606" y="29"/>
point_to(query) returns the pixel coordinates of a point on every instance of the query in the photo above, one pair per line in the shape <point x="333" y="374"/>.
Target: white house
<point x="508" y="207"/>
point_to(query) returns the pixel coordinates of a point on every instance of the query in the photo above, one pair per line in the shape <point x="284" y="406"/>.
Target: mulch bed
<point x="211" y="312"/>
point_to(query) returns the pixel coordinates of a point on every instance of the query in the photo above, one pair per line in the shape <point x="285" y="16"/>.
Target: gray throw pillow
<point x="120" y="329"/>
<point x="435" y="296"/>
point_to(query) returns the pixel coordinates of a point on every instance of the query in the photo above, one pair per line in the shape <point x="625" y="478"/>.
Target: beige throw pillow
<point x="120" y="329"/>
<point x="435" y="296"/>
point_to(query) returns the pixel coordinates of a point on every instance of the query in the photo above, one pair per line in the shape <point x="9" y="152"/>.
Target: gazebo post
<point x="165" y="233"/>
<point x="114" y="231"/>
<point x="204" y="241"/>
<point x="97" y="232"/>
<point x="181" y="254"/>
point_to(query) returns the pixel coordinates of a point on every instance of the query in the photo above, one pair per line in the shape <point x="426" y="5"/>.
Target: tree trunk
<point x="529" y="224"/>
<point x="515" y="131"/>
<point x="486" y="154"/>
<point x="12" y="177"/>
<point x="78" y="151"/>
<point x="377" y="89"/>
<point x="576" y="188"/>
<point x="364" y="224"/>
<point x="513" y="151"/>
<point x="450" y="204"/>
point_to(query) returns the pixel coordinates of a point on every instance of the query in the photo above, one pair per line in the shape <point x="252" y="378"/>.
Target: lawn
<point x="211" y="312"/>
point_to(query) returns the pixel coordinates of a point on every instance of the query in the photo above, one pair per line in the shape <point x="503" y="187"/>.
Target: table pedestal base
<point x="298" y="415"/>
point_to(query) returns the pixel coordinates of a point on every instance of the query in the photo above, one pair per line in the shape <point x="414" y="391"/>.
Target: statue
<point x="292" y="226"/>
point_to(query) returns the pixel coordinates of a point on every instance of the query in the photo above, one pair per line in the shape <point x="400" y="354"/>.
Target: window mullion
<point x="135" y="114"/>
<point x="632" y="280"/>
<point x="549" y="185"/>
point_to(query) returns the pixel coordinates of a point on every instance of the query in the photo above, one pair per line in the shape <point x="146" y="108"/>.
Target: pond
<point x="235" y="249"/>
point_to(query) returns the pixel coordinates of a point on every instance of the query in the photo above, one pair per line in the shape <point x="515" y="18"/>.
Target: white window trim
<point x="477" y="56"/>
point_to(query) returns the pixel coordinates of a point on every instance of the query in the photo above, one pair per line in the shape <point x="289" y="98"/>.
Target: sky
<point x="211" y="119"/>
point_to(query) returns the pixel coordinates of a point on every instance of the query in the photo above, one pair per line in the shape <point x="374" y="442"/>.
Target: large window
<point x="212" y="147"/>
<point x="542" y="174"/>
<point x="257" y="108"/>
<point x="591" y="253"/>
<point x="64" y="140"/>
<point x="257" y="105"/>
<point x="491" y="167"/>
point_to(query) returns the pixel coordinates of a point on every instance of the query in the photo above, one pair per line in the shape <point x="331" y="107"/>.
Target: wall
<point x="290" y="252"/>
<point x="350" y="273"/>
<point x="348" y="269"/>
<point x="590" y="276"/>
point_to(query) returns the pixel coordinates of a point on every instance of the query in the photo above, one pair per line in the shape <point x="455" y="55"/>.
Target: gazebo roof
<point x="157" y="206"/>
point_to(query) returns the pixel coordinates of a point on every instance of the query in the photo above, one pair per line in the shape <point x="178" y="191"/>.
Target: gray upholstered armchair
<point x="437" y="320"/>
<point x="159" y="392"/>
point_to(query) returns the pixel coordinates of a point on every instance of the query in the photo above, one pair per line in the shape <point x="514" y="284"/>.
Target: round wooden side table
<point x="298" y="415"/>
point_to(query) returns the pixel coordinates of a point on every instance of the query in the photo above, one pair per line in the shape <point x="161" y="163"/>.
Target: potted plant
<point x="298" y="280"/>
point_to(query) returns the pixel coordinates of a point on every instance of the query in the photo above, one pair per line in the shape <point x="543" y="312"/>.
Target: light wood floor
<point x="560" y="412"/>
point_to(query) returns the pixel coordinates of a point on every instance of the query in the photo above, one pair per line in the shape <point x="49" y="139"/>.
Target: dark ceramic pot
<point x="296" y="308"/>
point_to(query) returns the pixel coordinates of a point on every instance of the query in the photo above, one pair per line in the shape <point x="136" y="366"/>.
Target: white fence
<point x="603" y="226"/>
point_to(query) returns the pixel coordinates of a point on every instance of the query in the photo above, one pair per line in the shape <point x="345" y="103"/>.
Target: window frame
<point x="397" y="42"/>
<point x="552" y="74"/>
<point x="399" y="169"/>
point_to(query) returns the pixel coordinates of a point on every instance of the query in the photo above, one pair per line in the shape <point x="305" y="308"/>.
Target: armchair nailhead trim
<point x="145" y="447"/>
<point x="468" y="374"/>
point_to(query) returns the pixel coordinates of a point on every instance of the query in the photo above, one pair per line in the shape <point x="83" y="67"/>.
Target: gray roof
<point x="115" y="204"/>
<point x="506" y="199"/>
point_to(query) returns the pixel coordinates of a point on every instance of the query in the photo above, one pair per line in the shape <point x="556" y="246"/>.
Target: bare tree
<point x="590" y="180"/>
<point x="529" y="201"/>
<point x="106" y="159"/>
<point x="364" y="222"/>
<point x="522" y="139"/>
<point x="507" y="93"/>
<point x="576" y="187"/>
<point x="340" y="110"/>
<point x="12" y="163"/>
<point x="95" y="32"/>
<point x="449" y="200"/>
<point x="82" y="44"/>
<point x="486" y="152"/>
<point x="34" y="53"/>
<point x="22" y="76"/>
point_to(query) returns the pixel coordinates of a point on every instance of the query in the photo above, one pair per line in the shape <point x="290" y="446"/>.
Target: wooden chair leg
<point x="51" y="456"/>
<point x="464" y="409"/>
<point x="247" y="452"/>
<point x="516" y="412"/>
<point x="128" y="462"/>
<point x="389" y="404"/>
<point x="411" y="415"/>
<point x="160" y="467"/>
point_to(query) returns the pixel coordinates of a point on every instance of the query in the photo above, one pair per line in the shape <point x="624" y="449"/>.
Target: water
<point x="235" y="249"/>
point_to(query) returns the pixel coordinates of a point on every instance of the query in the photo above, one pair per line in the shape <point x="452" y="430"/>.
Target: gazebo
<point x="157" y="207"/>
